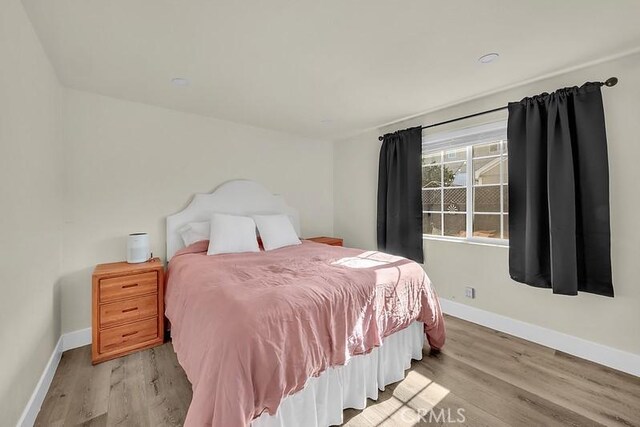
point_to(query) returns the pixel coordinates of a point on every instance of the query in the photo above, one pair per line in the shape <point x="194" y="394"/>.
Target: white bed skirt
<point x="321" y="402"/>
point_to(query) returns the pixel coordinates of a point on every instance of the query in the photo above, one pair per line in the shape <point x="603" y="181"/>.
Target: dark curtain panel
<point x="400" y="194"/>
<point x="559" y="233"/>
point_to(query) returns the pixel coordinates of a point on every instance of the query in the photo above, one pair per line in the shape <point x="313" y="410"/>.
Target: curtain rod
<point x="611" y="81"/>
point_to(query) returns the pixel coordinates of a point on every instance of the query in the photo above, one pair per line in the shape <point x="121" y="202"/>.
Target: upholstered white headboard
<point x="239" y="197"/>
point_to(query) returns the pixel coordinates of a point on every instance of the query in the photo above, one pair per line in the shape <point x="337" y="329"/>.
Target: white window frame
<point x="439" y="143"/>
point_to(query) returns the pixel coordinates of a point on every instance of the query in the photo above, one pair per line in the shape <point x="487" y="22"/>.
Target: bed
<point x="291" y="336"/>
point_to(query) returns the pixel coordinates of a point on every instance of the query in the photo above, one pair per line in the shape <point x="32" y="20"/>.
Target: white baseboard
<point x="30" y="412"/>
<point x="598" y="353"/>
<point x="76" y="339"/>
<point x="66" y="342"/>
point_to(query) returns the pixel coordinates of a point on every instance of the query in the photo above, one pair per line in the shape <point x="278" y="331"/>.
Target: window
<point x="465" y="185"/>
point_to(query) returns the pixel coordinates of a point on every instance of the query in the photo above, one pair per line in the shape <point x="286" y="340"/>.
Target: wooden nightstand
<point x="128" y="308"/>
<point x="332" y="241"/>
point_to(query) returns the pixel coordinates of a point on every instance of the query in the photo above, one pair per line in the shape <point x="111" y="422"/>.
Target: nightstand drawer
<point x="128" y="286"/>
<point x="128" y="335"/>
<point x="128" y="310"/>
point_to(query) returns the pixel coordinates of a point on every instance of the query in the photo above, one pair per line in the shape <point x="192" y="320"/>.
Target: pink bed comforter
<point x="250" y="329"/>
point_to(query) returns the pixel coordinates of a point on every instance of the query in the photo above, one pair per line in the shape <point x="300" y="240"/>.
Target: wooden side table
<point x="332" y="241"/>
<point x="127" y="308"/>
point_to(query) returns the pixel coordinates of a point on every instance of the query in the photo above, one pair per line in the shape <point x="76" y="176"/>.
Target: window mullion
<point x="501" y="190"/>
<point x="470" y="172"/>
<point x="442" y="193"/>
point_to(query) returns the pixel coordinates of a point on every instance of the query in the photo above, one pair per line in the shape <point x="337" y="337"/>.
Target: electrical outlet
<point x="469" y="292"/>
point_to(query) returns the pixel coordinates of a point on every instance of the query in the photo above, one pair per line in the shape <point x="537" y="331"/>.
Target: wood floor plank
<point x="126" y="394"/>
<point x="168" y="363"/>
<point x="511" y="404"/>
<point x="539" y="371"/>
<point x="466" y="333"/>
<point x="99" y="421"/>
<point x="91" y="390"/>
<point x="601" y="376"/>
<point x="53" y="412"/>
<point x="164" y="405"/>
<point x="448" y="408"/>
<point x="497" y="379"/>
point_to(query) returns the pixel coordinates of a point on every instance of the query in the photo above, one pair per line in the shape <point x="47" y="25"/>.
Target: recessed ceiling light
<point x="488" y="58"/>
<point x="179" y="81"/>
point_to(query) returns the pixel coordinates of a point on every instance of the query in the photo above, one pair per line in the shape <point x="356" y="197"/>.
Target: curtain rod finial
<point x="380" y="138"/>
<point x="611" y="81"/>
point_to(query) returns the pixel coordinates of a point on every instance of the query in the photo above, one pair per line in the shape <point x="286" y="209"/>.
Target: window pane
<point x="486" y="226"/>
<point x="455" y="155"/>
<point x="455" y="174"/>
<point x="506" y="227"/>
<point x="431" y="158"/>
<point x="455" y="225"/>
<point x="505" y="198"/>
<point x="486" y="199"/>
<point x="431" y="200"/>
<point x="490" y="149"/>
<point x="455" y="199"/>
<point x="432" y="224"/>
<point x="444" y="195"/>
<point x="486" y="171"/>
<point x="432" y="176"/>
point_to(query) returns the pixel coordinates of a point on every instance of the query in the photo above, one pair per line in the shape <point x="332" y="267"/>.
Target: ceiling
<point x="321" y="68"/>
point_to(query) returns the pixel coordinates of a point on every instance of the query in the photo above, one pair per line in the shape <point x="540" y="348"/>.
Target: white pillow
<point x="276" y="231"/>
<point x="232" y="234"/>
<point x="194" y="232"/>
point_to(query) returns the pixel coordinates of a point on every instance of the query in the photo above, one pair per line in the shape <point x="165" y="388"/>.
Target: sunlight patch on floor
<point x="410" y="404"/>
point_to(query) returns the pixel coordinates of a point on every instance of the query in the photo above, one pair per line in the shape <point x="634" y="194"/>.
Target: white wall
<point x="452" y="266"/>
<point x="30" y="210"/>
<point x="129" y="165"/>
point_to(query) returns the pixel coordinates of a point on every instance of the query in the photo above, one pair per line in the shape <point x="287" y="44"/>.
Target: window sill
<point x="475" y="241"/>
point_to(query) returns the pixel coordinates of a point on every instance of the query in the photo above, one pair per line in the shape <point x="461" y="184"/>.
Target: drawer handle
<point x="127" y="310"/>
<point x="133" y="285"/>
<point x="129" y="334"/>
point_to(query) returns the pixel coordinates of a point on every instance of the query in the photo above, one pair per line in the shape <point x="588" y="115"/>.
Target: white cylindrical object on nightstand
<point x="138" y="248"/>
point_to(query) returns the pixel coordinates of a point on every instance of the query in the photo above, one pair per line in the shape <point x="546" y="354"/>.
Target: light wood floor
<point x="491" y="378"/>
